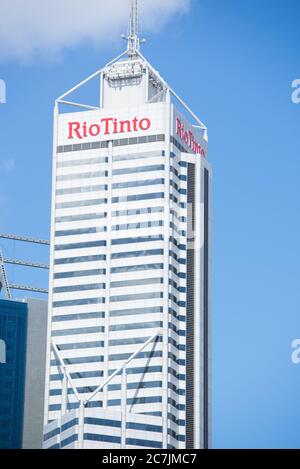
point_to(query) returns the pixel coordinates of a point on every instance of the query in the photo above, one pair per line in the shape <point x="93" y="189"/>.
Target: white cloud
<point x="46" y="27"/>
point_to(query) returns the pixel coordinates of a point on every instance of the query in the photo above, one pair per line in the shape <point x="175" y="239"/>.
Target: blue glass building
<point x="13" y="337"/>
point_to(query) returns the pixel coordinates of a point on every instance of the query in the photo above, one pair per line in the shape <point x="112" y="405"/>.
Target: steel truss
<point x="67" y="380"/>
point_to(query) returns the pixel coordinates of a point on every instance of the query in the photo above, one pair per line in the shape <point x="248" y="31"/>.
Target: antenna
<point x="134" y="41"/>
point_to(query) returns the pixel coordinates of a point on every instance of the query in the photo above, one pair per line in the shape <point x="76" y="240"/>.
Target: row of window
<point x="130" y="341"/>
<point x="99" y="373"/>
<point x="80" y="231"/>
<point x="80" y="273"/>
<point x="134" y="326"/>
<point x="136" y="268"/>
<point x="120" y="241"/>
<point x="111" y="387"/>
<point x="137" y="226"/>
<point x="115" y="143"/>
<point x="137" y="197"/>
<point x="83" y="162"/>
<point x="87" y="244"/>
<point x="78" y="331"/>
<point x="138" y="156"/>
<point x="83" y="287"/>
<point x="115" y="242"/>
<point x="117" y="298"/>
<point x="135" y="282"/>
<point x="114" y="313"/>
<point x="79" y="360"/>
<point x="78" y="375"/>
<point x="80" y="217"/>
<point x="117" y="424"/>
<point x="81" y="345"/>
<point x="136" y="296"/>
<point x="137" y="211"/>
<point x="143" y="253"/>
<point x="136" y="311"/>
<point x="78" y="316"/>
<point x="81" y="203"/>
<point x="81" y="190"/>
<point x="78" y="302"/>
<point x="88" y="175"/>
<point x="138" y="169"/>
<point x="78" y="259"/>
<point x="141" y="239"/>
<point x="128" y="184"/>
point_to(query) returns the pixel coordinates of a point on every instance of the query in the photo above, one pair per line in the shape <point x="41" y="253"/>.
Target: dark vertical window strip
<point x="206" y="310"/>
<point x="190" y="372"/>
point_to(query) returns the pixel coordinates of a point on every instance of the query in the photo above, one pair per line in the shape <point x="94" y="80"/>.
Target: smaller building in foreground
<point x="23" y="326"/>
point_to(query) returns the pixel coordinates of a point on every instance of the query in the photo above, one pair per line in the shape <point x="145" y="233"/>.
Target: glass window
<point x="135" y="198"/>
<point x="81" y="190"/>
<point x="134" y="282"/>
<point x="75" y="317"/>
<point x="78" y="330"/>
<point x="81" y="203"/>
<point x="102" y="422"/>
<point x="139" y="169"/>
<point x="104" y="438"/>
<point x="69" y="440"/>
<point x="125" y="356"/>
<point x="78" y="360"/>
<point x="80" y="273"/>
<point x="88" y="216"/>
<point x="90" y="244"/>
<point x="136" y="225"/>
<point x="74" y="260"/>
<point x="140" y="370"/>
<point x="149" y="252"/>
<point x="83" y="287"/>
<point x="72" y="177"/>
<point x="71" y="163"/>
<point x="137" y="156"/>
<point x="146" y="182"/>
<point x="81" y="375"/>
<point x="136" y="268"/>
<point x="132" y="312"/>
<point x="134" y="326"/>
<point x="69" y="424"/>
<point x="81" y="345"/>
<point x="139" y="385"/>
<point x="144" y="427"/>
<point x="137" y="211"/>
<point x="141" y="239"/>
<point x="137" y="400"/>
<point x="137" y="296"/>
<point x="79" y="302"/>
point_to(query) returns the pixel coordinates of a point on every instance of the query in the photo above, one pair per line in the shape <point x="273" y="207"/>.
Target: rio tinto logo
<point x="107" y="126"/>
<point x="188" y="138"/>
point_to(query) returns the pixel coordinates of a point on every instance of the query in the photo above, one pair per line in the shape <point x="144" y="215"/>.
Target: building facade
<point x="128" y="349"/>
<point x="22" y="372"/>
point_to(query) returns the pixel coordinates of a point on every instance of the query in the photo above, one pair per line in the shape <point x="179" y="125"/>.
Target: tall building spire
<point x="133" y="38"/>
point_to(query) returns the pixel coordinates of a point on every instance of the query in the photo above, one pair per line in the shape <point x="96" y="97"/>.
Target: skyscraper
<point x="129" y="311"/>
<point x="22" y="372"/>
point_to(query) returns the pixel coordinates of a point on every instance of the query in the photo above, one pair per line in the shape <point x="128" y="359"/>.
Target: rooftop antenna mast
<point x="134" y="41"/>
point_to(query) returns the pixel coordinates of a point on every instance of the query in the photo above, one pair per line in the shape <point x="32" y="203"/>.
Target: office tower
<point x="22" y="372"/>
<point x="128" y="331"/>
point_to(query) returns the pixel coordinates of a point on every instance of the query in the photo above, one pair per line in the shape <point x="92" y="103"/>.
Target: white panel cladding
<point x="125" y="196"/>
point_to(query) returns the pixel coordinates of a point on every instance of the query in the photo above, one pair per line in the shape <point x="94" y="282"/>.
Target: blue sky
<point x="233" y="61"/>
